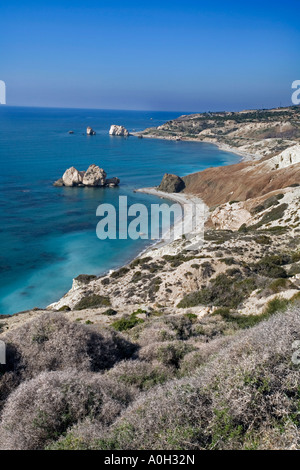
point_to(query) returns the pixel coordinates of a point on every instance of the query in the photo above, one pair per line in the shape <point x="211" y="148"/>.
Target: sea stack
<point x="94" y="176"/>
<point x="90" y="131"/>
<point x="118" y="130"/>
<point x="72" y="177"/>
<point x="171" y="184"/>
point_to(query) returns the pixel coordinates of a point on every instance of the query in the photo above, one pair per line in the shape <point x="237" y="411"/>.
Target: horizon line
<point x="148" y="110"/>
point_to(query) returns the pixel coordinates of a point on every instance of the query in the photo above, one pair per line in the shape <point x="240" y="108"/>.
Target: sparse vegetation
<point x="92" y="301"/>
<point x="127" y="322"/>
<point x="224" y="291"/>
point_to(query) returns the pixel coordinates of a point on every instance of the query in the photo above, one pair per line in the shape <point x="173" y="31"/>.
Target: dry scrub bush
<point x="154" y="331"/>
<point x="168" y="328"/>
<point x="43" y="409"/>
<point x="51" y="342"/>
<point x="247" y="397"/>
<point x="200" y="357"/>
<point x="140" y="374"/>
<point x="168" y="353"/>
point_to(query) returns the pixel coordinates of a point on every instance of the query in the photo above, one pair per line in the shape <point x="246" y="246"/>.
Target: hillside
<point x="255" y="132"/>
<point x="246" y="180"/>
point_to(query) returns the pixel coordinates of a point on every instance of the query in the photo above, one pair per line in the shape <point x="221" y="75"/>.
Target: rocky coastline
<point x="242" y="229"/>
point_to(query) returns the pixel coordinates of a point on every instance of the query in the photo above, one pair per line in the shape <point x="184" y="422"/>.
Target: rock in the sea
<point x="118" y="130"/>
<point x="71" y="132"/>
<point x="171" y="184"/>
<point x="94" y="176"/>
<point x="72" y="177"/>
<point x="112" y="182"/>
<point x="59" y="182"/>
<point x="90" y="131"/>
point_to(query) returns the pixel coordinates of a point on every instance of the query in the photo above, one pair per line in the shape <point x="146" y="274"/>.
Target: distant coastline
<point x="245" y="156"/>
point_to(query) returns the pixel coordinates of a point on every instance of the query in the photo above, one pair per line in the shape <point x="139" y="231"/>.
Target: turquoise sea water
<point x="48" y="234"/>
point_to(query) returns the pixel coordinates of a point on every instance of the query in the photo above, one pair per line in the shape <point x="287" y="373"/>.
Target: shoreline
<point x="245" y="156"/>
<point x="179" y="198"/>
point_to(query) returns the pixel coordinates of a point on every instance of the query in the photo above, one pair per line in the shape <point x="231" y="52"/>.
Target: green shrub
<point x="110" y="312"/>
<point x="191" y="316"/>
<point x="275" y="214"/>
<point x="85" y="278"/>
<point x="92" y="301"/>
<point x="271" y="266"/>
<point x="271" y="201"/>
<point x="276" y="305"/>
<point x="126" y="323"/>
<point x="263" y="240"/>
<point x="224" y="291"/>
<point x="119" y="273"/>
<point x="278" y="285"/>
<point x="64" y="308"/>
<point x="170" y="354"/>
<point x="139" y="261"/>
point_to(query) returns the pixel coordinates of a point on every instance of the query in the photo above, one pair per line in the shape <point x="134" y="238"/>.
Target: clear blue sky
<point x="167" y="55"/>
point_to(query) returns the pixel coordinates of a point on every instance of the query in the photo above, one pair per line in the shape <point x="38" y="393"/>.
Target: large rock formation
<point x="118" y="130"/>
<point x="72" y="177"/>
<point x="171" y="184"/>
<point x="90" y="131"/>
<point x="94" y="176"/>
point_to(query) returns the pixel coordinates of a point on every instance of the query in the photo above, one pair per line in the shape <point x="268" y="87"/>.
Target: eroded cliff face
<point x="242" y="181"/>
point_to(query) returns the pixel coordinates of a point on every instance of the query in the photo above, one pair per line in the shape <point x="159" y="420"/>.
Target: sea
<point x="48" y="234"/>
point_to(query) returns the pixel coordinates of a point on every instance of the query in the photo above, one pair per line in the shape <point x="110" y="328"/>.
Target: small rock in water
<point x="90" y="131"/>
<point x="59" y="182"/>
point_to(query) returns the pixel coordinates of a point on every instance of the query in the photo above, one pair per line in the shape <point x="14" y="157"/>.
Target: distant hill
<point x="256" y="132"/>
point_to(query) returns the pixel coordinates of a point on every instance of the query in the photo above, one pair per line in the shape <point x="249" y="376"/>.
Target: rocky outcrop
<point x="118" y="130"/>
<point x="90" y="131"/>
<point x="59" y="183"/>
<point x="171" y="184"/>
<point x="72" y="177"/>
<point x="230" y="216"/>
<point x="288" y="157"/>
<point x="112" y="182"/>
<point x="93" y="177"/>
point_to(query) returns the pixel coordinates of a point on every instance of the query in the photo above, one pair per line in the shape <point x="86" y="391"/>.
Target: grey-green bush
<point x="51" y="342"/>
<point x="43" y="409"/>
<point x="247" y="397"/>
